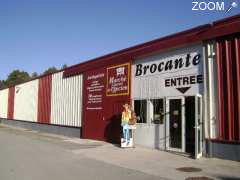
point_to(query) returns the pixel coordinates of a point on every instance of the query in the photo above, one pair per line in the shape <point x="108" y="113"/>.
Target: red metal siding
<point x="11" y="95"/>
<point x="237" y="50"/>
<point x="102" y="121"/>
<point x="220" y="91"/>
<point x="93" y="123"/>
<point x="44" y="99"/>
<point x="228" y="71"/>
<point x="230" y="103"/>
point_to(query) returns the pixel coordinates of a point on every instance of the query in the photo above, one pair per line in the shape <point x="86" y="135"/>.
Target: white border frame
<point x="198" y="126"/>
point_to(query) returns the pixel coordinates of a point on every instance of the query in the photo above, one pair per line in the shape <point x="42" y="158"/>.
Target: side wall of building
<point x="224" y="98"/>
<point x="228" y="77"/>
<point x="44" y="99"/>
<point x="50" y="99"/>
<point x="26" y="101"/>
<point x="4" y="103"/>
<point x="106" y="89"/>
<point x="66" y="100"/>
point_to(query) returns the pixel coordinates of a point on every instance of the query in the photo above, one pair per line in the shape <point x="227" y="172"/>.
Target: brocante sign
<point x="165" y="73"/>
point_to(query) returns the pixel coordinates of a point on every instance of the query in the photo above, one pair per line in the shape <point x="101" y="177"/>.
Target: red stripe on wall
<point x="228" y="72"/>
<point x="237" y="45"/>
<point x="11" y="95"/>
<point x="220" y="92"/>
<point x="44" y="99"/>
<point x="230" y="103"/>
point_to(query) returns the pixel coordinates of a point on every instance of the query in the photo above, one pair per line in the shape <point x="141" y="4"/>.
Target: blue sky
<point x="35" y="35"/>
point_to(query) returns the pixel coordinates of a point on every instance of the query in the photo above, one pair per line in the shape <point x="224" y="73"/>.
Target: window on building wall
<point x="140" y="108"/>
<point x="157" y="111"/>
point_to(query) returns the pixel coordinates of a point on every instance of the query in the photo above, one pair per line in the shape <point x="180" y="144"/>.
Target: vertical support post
<point x="207" y="121"/>
<point x="210" y="87"/>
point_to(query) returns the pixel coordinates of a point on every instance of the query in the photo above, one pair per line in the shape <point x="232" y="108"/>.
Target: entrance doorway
<point x="184" y="124"/>
<point x="175" y="124"/>
<point x="190" y="123"/>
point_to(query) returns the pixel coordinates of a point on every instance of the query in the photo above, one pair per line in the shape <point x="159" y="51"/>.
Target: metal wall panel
<point x="11" y="97"/>
<point x="210" y="91"/>
<point x="237" y="45"/>
<point x="44" y="99"/>
<point x="66" y="103"/>
<point x="101" y="108"/>
<point x="4" y="103"/>
<point x="221" y="82"/>
<point x="230" y="84"/>
<point x="228" y="87"/>
<point x="26" y="101"/>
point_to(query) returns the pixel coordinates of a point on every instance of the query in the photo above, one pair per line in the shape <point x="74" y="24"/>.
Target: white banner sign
<point x="174" y="73"/>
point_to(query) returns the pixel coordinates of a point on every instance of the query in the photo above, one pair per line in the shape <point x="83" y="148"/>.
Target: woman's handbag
<point x="133" y="119"/>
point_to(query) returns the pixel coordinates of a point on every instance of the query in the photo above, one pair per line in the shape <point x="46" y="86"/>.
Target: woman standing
<point x="126" y="116"/>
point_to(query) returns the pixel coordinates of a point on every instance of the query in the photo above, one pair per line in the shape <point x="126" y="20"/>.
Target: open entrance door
<point x="175" y="124"/>
<point x="198" y="126"/>
<point x="184" y="124"/>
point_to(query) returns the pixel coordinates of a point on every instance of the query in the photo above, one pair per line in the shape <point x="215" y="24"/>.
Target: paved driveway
<point x="28" y="155"/>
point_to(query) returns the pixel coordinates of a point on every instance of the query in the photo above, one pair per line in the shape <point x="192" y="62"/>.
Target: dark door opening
<point x="190" y="123"/>
<point x="175" y="123"/>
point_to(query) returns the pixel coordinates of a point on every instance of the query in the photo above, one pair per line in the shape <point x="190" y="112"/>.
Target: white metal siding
<point x="4" y="103"/>
<point x="26" y="101"/>
<point x="210" y="91"/>
<point x="66" y="103"/>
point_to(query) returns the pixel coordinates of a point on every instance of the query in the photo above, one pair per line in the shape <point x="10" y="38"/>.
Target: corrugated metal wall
<point x="4" y="103"/>
<point x="228" y="65"/>
<point x="11" y="97"/>
<point x="66" y="104"/>
<point x="26" y="101"/>
<point x="44" y="99"/>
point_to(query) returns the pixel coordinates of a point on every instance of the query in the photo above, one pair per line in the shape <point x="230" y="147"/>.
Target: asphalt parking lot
<point x="32" y="155"/>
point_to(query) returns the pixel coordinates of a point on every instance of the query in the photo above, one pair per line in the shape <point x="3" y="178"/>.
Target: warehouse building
<point x="184" y="89"/>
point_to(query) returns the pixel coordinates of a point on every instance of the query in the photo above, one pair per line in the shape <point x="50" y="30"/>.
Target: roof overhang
<point x="198" y="34"/>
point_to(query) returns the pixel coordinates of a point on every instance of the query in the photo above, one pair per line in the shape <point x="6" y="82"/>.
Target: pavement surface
<point x="30" y="155"/>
